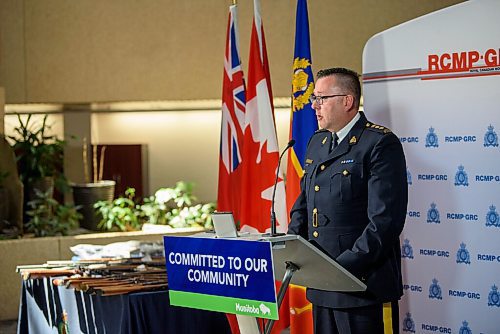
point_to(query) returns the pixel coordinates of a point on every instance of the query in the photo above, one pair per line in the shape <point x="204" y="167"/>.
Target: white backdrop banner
<point x="435" y="81"/>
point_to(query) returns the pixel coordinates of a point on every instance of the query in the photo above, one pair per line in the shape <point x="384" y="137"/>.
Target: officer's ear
<point x="348" y="102"/>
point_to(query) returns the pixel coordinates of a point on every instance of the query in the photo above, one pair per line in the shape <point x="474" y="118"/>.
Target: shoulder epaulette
<point x="377" y="128"/>
<point x="320" y="130"/>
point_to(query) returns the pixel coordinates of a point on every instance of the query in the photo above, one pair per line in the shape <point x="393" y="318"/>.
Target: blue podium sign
<point x="226" y="275"/>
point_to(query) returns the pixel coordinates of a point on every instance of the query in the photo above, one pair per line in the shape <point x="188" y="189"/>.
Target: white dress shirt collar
<point x="342" y="133"/>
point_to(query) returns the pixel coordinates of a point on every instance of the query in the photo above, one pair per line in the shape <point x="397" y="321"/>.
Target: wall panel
<point x="122" y="50"/>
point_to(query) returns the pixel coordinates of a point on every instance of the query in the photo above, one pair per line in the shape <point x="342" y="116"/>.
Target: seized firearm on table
<point x="104" y="277"/>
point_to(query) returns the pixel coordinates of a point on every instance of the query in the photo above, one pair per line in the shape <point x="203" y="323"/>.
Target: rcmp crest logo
<point x="408" y="324"/>
<point x="492" y="217"/>
<point x="494" y="297"/>
<point x="406" y="250"/>
<point x="461" y="178"/>
<point x="463" y="255"/>
<point x="302" y="83"/>
<point x="435" y="290"/>
<point x="433" y="214"/>
<point x="408" y="176"/>
<point x="431" y="140"/>
<point x="465" y="328"/>
<point x="490" y="138"/>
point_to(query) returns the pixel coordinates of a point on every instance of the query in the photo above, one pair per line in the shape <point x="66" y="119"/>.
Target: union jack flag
<point x="233" y="99"/>
<point x="232" y="127"/>
<point x="233" y="121"/>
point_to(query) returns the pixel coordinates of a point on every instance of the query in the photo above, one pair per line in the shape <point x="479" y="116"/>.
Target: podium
<point x="294" y="259"/>
<point x="301" y="263"/>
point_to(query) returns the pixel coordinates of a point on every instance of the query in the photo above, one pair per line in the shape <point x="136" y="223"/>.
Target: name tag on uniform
<point x="309" y="161"/>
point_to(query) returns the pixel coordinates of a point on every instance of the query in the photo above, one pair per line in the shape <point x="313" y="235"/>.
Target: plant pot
<point x="86" y="195"/>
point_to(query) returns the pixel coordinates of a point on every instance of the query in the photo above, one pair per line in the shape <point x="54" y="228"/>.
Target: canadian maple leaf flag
<point x="260" y="148"/>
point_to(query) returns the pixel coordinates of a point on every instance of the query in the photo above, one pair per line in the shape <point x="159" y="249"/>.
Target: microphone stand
<point x="273" y="213"/>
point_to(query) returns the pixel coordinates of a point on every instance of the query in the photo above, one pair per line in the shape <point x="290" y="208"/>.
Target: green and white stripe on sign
<point x="254" y="308"/>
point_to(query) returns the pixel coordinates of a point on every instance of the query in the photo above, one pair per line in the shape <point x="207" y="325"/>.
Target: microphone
<point x="273" y="214"/>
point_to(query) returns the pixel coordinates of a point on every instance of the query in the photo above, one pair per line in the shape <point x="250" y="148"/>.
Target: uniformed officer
<point x="352" y="205"/>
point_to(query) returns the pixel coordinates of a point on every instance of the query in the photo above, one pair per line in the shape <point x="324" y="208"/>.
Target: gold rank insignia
<point x="345" y="172"/>
<point x="382" y="129"/>
<point x="309" y="161"/>
<point x="353" y="140"/>
<point x="324" y="140"/>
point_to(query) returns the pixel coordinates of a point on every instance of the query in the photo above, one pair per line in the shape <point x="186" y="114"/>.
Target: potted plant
<point x="87" y="194"/>
<point x="174" y="207"/>
<point x="50" y="218"/>
<point x="121" y="214"/>
<point x="169" y="207"/>
<point x="39" y="157"/>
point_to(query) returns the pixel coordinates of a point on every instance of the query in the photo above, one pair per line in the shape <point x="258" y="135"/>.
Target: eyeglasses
<point x="319" y="99"/>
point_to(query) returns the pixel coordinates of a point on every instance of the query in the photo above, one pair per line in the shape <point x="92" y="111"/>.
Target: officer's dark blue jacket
<point x="352" y="205"/>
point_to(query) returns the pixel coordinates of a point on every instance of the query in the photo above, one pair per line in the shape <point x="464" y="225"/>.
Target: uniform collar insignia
<point x="353" y="140"/>
<point x="324" y="140"/>
<point x="309" y="161"/>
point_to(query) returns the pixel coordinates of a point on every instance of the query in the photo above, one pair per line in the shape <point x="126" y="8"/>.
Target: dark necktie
<point x="335" y="141"/>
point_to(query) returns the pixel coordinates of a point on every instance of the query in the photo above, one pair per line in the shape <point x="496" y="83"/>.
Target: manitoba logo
<point x="465" y="328"/>
<point x="433" y="214"/>
<point x="494" y="297"/>
<point x="408" y="176"/>
<point x="492" y="217"/>
<point x="461" y="178"/>
<point x="406" y="250"/>
<point x="408" y="324"/>
<point x="302" y="83"/>
<point x="431" y="140"/>
<point x="435" y="290"/>
<point x="246" y="308"/>
<point x="463" y="255"/>
<point x="490" y="138"/>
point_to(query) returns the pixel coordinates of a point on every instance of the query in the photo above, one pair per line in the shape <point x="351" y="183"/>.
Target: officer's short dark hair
<point x="346" y="78"/>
